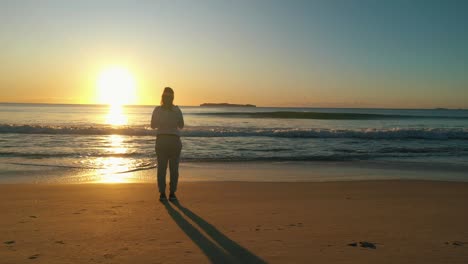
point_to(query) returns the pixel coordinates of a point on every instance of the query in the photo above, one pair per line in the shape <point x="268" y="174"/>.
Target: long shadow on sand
<point x="225" y="251"/>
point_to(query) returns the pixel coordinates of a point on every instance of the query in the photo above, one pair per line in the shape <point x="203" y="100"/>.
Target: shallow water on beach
<point x="35" y="138"/>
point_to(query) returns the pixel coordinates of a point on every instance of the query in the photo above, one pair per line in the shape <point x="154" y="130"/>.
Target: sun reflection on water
<point x="116" y="144"/>
<point x="112" y="171"/>
<point x="113" y="167"/>
<point x="116" y="116"/>
<point x="113" y="163"/>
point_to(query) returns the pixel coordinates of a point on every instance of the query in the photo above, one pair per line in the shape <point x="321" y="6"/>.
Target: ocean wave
<point x="47" y="155"/>
<point x="371" y="133"/>
<point x="320" y="115"/>
<point x="423" y="150"/>
<point x="137" y="168"/>
<point x="332" y="157"/>
<point x="406" y="149"/>
<point x="76" y="130"/>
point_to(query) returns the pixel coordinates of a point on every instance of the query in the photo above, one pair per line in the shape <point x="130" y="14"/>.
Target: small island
<point x="227" y="105"/>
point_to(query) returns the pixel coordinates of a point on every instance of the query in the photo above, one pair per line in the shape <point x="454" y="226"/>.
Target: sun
<point x="116" y="86"/>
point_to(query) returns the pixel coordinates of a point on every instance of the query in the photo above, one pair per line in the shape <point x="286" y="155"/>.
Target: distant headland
<point x="227" y="105"/>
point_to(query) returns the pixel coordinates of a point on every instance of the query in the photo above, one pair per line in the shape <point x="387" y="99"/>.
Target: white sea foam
<point x="211" y="131"/>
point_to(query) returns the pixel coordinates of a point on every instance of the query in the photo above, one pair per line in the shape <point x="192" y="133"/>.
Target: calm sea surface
<point x="36" y="139"/>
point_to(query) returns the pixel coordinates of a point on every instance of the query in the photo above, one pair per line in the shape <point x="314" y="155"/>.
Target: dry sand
<point x="237" y="222"/>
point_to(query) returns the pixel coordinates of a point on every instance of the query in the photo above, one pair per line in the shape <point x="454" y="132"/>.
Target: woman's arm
<point x="155" y="118"/>
<point x="180" y="124"/>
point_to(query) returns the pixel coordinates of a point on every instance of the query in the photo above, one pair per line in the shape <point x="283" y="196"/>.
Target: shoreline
<point x="258" y="171"/>
<point x="151" y="185"/>
<point x="248" y="172"/>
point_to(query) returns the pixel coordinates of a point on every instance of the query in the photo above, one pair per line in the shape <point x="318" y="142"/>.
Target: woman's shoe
<point x="172" y="197"/>
<point x="162" y="197"/>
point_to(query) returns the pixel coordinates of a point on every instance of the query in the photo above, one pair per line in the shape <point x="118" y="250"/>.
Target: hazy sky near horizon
<point x="330" y="53"/>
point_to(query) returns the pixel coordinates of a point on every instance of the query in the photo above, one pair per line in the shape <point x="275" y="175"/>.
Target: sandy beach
<point x="315" y="132"/>
<point x="236" y="222"/>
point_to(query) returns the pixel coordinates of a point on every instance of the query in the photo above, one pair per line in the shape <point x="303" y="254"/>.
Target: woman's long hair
<point x="167" y="98"/>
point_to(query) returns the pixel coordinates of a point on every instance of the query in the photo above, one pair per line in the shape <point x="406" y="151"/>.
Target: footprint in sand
<point x="32" y="216"/>
<point x="456" y="243"/>
<point x="110" y="212"/>
<point x="80" y="211"/>
<point x="9" y="242"/>
<point x="295" y="225"/>
<point x="35" y="256"/>
<point x="59" y="242"/>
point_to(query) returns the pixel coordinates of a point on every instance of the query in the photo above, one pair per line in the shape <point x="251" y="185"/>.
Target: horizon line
<point x="145" y="105"/>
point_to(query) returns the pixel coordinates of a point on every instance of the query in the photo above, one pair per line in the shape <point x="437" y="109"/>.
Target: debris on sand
<point x="363" y="244"/>
<point x="366" y="244"/>
<point x="456" y="243"/>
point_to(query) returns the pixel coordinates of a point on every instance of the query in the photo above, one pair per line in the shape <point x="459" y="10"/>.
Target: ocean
<point x="49" y="142"/>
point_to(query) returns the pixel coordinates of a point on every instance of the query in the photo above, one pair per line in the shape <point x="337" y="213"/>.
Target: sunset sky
<point x="403" y="54"/>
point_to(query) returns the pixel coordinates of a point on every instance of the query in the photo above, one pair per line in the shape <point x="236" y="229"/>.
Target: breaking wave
<point x="391" y="133"/>
<point x="327" y="116"/>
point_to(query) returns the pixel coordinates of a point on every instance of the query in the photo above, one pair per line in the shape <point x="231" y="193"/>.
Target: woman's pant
<point x="168" y="151"/>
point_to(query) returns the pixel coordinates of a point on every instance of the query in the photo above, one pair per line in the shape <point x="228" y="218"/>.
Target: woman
<point x="168" y="121"/>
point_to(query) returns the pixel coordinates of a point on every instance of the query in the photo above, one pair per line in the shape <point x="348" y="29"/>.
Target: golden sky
<point x="276" y="54"/>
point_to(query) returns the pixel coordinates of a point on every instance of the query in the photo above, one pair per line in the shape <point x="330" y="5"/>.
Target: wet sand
<point x="236" y="222"/>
